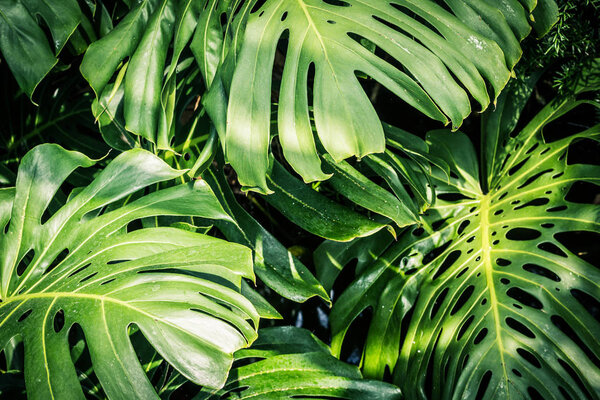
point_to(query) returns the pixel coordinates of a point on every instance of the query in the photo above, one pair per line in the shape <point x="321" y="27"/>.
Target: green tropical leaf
<point x="23" y="43"/>
<point x="290" y="363"/>
<point x="85" y="265"/>
<point x="144" y="54"/>
<point x="469" y="45"/>
<point x="499" y="302"/>
<point x="273" y="263"/>
<point x="318" y="214"/>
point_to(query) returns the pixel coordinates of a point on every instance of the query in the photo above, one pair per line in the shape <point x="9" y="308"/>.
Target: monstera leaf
<point x="495" y="299"/>
<point x="407" y="46"/>
<point x="23" y="42"/>
<point x="86" y="265"/>
<point x="291" y="363"/>
<point x="135" y="53"/>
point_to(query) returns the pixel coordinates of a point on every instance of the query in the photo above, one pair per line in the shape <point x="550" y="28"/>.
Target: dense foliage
<point x="289" y="199"/>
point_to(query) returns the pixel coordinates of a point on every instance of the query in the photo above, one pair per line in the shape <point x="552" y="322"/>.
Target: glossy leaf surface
<point x="290" y="363"/>
<point x="468" y="45"/>
<point x="500" y="303"/>
<point x="82" y="265"/>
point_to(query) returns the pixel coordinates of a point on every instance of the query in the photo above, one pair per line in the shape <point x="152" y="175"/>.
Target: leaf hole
<point x="551" y="248"/>
<point x="461" y="273"/>
<point x="541" y="271"/>
<point x="504" y="281"/>
<point x="532" y="148"/>
<point x="480" y="336"/>
<point x="437" y="303"/>
<point x="556" y="209"/>
<point x="576" y="377"/>
<point x="590" y="303"/>
<point x="517" y="167"/>
<point x="59" y="259"/>
<point x="534" y="203"/>
<point x="284" y="16"/>
<point x="531" y="359"/>
<point x="88" y="277"/>
<point x="433" y="254"/>
<point x="523" y="234"/>
<point x="583" y="193"/>
<point x="464" y="297"/>
<point x="463" y="225"/>
<point x="59" y="321"/>
<point x="465" y="325"/>
<point x="534" y="394"/>
<point x="78" y="270"/>
<point x="582" y="243"/>
<point x="503" y="262"/>
<point x="338" y="3"/>
<point x="448" y="262"/>
<point x="519" y="327"/>
<point x="25" y="261"/>
<point x="534" y="177"/>
<point x="24" y="316"/>
<point x="524" y="298"/>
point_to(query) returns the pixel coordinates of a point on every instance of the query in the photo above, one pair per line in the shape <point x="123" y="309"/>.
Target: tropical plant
<point x="495" y="301"/>
<point x="291" y="363"/>
<point x="176" y="174"/>
<point x="82" y="264"/>
<point x="408" y="47"/>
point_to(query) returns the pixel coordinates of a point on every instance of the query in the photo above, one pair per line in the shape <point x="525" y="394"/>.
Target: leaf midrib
<point x="489" y="273"/>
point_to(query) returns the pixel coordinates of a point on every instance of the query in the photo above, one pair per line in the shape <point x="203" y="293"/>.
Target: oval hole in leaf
<point x="563" y="325"/>
<point x="464" y="327"/>
<point x="438" y="302"/>
<point x="464" y="297"/>
<point x="59" y="321"/>
<point x="24" y="315"/>
<point x="480" y="336"/>
<point x="591" y="303"/>
<point x="483" y="385"/>
<point x="575" y="377"/>
<point x="539" y="270"/>
<point x="533" y="203"/>
<point x="529" y="357"/>
<point x="519" y="327"/>
<point x="524" y="298"/>
<point x="523" y="234"/>
<point x="448" y="262"/>
<point x="582" y="243"/>
<point x="24" y="263"/>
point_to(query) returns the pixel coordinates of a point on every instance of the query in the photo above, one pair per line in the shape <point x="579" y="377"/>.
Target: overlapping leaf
<point x="23" y="43"/>
<point x="499" y="304"/>
<point x="86" y="265"/>
<point x="145" y="80"/>
<point x="467" y="45"/>
<point x="290" y="363"/>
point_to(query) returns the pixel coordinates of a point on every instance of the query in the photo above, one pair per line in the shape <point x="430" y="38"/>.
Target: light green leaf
<point x="273" y="263"/>
<point x="471" y="46"/>
<point x="314" y="212"/>
<point x="81" y="265"/>
<point x="292" y="364"/>
<point x="500" y="304"/>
